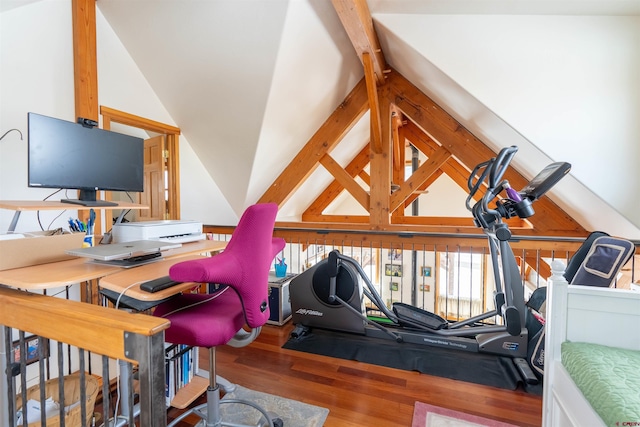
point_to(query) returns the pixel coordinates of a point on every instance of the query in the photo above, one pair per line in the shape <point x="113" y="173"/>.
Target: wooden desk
<point x="127" y="283"/>
<point x="69" y="272"/>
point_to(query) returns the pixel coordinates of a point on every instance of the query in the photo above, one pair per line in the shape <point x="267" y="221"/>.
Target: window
<point x="461" y="285"/>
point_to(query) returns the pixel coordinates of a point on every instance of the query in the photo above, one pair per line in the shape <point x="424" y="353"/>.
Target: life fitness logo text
<point x="306" y="312"/>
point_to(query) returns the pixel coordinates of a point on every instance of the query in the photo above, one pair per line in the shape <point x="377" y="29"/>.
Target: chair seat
<point x="218" y="317"/>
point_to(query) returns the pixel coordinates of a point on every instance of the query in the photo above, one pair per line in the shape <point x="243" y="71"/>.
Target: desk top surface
<point x="69" y="272"/>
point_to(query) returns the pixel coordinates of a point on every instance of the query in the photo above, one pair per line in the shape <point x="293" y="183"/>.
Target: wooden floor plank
<point x="359" y="394"/>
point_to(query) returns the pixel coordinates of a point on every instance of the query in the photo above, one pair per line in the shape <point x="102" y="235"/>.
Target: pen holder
<point x="88" y="241"/>
<point x="281" y="270"/>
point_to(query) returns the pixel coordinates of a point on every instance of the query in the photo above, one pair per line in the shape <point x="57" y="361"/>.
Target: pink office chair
<point x="210" y="320"/>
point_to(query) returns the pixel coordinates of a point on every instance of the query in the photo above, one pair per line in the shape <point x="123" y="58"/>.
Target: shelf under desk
<point x="127" y="282"/>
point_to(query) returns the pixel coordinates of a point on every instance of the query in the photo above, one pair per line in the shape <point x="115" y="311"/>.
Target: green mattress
<point x="609" y="379"/>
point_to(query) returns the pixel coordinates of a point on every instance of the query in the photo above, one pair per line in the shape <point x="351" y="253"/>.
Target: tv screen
<point x="69" y="155"/>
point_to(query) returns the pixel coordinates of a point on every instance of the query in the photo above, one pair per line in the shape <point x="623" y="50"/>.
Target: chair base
<point x="211" y="417"/>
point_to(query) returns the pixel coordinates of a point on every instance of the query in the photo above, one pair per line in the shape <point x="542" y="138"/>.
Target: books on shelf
<point x="181" y="364"/>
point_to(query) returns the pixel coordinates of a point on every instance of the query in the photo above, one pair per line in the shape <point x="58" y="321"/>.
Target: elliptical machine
<point x="330" y="295"/>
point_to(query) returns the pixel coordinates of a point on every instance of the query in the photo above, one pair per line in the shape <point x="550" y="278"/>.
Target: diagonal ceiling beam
<point x="322" y="142"/>
<point x="426" y="170"/>
<point x="356" y="20"/>
<point x="346" y="180"/>
<point x="452" y="168"/>
<point x="374" y="105"/>
<point x="354" y="168"/>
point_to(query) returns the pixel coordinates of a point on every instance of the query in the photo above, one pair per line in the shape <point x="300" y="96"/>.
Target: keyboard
<point x="158" y="284"/>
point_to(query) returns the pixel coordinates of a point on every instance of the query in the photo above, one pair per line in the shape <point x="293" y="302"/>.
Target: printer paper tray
<point x="187" y="238"/>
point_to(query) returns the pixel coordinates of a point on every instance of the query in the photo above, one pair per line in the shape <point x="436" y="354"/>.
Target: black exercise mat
<point x="478" y="368"/>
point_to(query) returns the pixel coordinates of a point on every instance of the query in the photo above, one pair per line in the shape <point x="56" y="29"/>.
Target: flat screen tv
<point x="70" y="155"/>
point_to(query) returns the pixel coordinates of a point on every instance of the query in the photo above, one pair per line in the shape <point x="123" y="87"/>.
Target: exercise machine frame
<point x="411" y="324"/>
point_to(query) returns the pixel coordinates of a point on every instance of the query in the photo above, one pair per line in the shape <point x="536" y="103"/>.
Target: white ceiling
<point x="250" y="81"/>
<point x="507" y="7"/>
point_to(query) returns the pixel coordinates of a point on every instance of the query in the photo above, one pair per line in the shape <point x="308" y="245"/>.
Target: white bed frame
<point x="582" y="314"/>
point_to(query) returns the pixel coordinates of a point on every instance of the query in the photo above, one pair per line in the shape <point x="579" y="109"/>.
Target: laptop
<point x="124" y="250"/>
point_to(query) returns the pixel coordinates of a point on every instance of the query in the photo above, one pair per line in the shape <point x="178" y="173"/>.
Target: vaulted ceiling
<point x="300" y="102"/>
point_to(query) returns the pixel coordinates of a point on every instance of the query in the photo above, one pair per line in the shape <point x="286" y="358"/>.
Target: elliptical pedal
<point x="416" y="316"/>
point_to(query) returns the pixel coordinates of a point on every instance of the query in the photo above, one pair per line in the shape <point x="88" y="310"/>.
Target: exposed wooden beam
<point x="448" y="132"/>
<point x="336" y="219"/>
<point x="455" y="170"/>
<point x="354" y="168"/>
<point x="347" y="181"/>
<point x="358" y="223"/>
<point x="427" y="169"/>
<point x="380" y="171"/>
<point x="85" y="62"/>
<point x="374" y="107"/>
<point x="448" y="221"/>
<point x="323" y="141"/>
<point x="365" y="176"/>
<point x="85" y="72"/>
<point x="398" y="142"/>
<point x="398" y="158"/>
<point x="356" y="20"/>
<point x="448" y="146"/>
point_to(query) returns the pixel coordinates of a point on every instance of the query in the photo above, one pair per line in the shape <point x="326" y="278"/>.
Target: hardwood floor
<point x="359" y="394"/>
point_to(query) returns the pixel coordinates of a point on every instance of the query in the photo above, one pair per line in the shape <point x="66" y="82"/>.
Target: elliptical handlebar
<point x="490" y="172"/>
<point x="500" y="164"/>
<point x="516" y="203"/>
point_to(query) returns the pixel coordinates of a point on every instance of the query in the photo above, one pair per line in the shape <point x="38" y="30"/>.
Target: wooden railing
<point x="138" y="339"/>
<point x="135" y="339"/>
<point x="421" y="260"/>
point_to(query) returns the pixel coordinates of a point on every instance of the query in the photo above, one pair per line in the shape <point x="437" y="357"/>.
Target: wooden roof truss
<point x="400" y="116"/>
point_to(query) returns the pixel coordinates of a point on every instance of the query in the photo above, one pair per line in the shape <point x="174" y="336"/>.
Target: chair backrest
<point x="605" y="259"/>
<point x="244" y="264"/>
<point x="576" y="260"/>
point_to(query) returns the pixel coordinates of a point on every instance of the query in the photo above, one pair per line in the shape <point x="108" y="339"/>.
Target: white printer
<point x="175" y="231"/>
